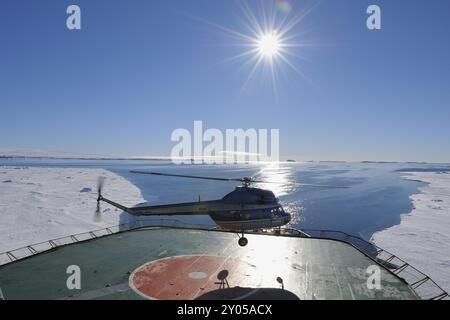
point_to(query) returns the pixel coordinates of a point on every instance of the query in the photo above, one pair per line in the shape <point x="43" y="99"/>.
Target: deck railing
<point x="41" y="247"/>
<point x="423" y="285"/>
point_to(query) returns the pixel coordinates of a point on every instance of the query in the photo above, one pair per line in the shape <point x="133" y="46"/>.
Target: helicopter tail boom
<point x="115" y="204"/>
<point x="193" y="208"/>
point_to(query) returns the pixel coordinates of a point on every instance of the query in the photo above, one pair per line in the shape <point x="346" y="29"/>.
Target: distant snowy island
<point x="36" y="153"/>
<point x="18" y="153"/>
<point x="423" y="236"/>
<point x="38" y="204"/>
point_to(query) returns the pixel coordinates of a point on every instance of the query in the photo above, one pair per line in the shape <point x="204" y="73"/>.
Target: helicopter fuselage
<point x="242" y="209"/>
<point x="251" y="218"/>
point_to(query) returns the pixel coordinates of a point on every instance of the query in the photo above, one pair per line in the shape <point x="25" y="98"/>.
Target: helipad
<point x="191" y="277"/>
<point x="166" y="263"/>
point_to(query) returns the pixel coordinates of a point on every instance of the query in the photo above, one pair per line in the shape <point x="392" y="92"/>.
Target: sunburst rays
<point x="270" y="39"/>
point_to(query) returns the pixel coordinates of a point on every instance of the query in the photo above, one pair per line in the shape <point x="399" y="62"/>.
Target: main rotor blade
<point x="186" y="176"/>
<point x="301" y="184"/>
<point x="234" y="179"/>
<point x="320" y="186"/>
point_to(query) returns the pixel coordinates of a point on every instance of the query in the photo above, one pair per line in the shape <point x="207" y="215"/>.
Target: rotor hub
<point x="247" y="181"/>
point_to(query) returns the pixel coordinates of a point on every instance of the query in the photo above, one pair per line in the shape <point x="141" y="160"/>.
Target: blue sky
<point x="140" y="69"/>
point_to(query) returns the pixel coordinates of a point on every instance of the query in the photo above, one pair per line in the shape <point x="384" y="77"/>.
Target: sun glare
<point x="269" y="45"/>
<point x="271" y="38"/>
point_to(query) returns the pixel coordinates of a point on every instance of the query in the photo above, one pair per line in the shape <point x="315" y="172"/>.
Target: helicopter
<point x="243" y="209"/>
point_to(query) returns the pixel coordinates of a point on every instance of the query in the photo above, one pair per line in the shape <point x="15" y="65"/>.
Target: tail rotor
<point x="100" y="184"/>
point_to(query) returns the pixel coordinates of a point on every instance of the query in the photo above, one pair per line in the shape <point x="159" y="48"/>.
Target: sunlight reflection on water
<point x="277" y="178"/>
<point x="281" y="181"/>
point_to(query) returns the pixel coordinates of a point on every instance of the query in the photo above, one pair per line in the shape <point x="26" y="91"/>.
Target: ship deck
<point x="168" y="263"/>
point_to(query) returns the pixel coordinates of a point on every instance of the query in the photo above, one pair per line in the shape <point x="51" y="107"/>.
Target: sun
<point x="269" y="44"/>
<point x="270" y="40"/>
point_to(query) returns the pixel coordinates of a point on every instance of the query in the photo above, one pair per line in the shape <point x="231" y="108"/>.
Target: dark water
<point x="375" y="200"/>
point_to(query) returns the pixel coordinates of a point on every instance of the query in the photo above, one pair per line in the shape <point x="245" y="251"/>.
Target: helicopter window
<point x="277" y="211"/>
<point x="274" y="214"/>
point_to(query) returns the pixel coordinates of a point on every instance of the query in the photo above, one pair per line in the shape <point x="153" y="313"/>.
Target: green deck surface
<point x="310" y="268"/>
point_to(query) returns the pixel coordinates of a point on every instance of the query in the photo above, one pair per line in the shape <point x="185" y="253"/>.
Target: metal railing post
<point x="32" y="250"/>
<point x="11" y="256"/>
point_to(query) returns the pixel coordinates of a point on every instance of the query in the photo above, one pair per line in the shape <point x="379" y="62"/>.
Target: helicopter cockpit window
<point x="274" y="212"/>
<point x="277" y="211"/>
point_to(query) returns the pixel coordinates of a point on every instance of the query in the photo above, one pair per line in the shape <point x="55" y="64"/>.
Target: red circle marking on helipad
<point x="191" y="277"/>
